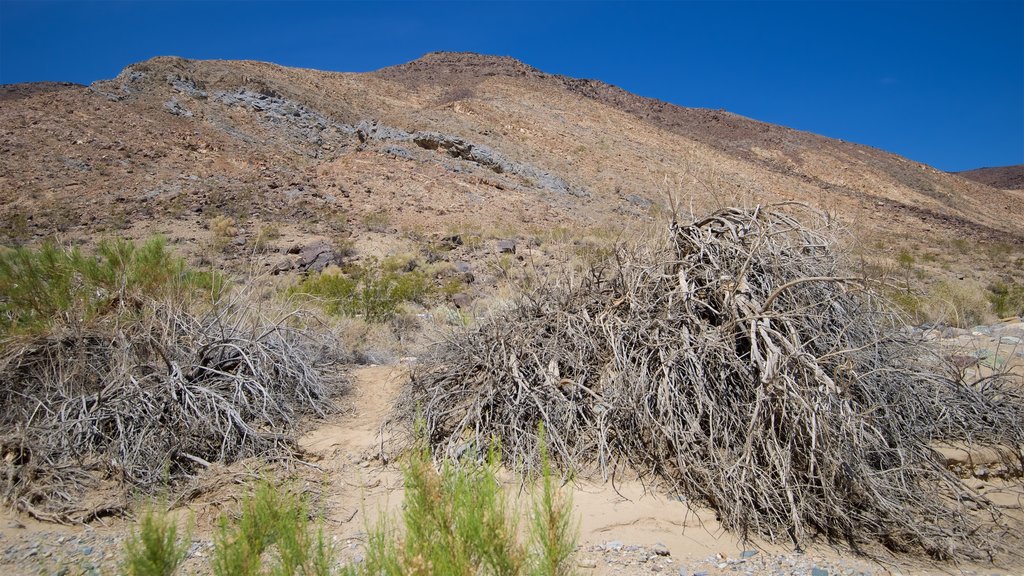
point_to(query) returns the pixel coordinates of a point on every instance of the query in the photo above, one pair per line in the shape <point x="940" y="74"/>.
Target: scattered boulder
<point x="462" y="300"/>
<point x="506" y="247"/>
<point x="285" y="265"/>
<point x="452" y="242"/>
<point x="466" y="272"/>
<point x="316" y="257"/>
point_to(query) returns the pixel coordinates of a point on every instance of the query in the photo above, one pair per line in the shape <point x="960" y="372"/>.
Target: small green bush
<point x="154" y="549"/>
<point x="374" y="290"/>
<point x="274" y="531"/>
<point x="51" y="283"/>
<point x="274" y="526"/>
<point x="459" y="521"/>
<point x="1007" y="299"/>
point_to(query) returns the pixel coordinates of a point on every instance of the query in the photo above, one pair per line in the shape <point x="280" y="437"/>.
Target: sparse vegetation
<point x="374" y="290"/>
<point x="274" y="529"/>
<point x="377" y="221"/>
<point x="223" y="230"/>
<point x="265" y="236"/>
<point x="961" y="304"/>
<point x="458" y="520"/>
<point x="1007" y="298"/>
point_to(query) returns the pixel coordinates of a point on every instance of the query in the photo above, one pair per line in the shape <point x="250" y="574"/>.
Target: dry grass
<point x="737" y="361"/>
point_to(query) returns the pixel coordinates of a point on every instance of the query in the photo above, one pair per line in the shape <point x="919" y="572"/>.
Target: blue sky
<point x="938" y="82"/>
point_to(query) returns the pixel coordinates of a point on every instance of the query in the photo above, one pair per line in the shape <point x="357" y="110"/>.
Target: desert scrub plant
<point x="274" y="529"/>
<point x="153" y="548"/>
<point x="554" y="528"/>
<point x="51" y="283"/>
<point x="459" y="520"/>
<point x="1007" y="299"/>
<point x="373" y="290"/>
<point x="222" y="230"/>
<point x="266" y="234"/>
<point x="960" y="304"/>
<point x="377" y="221"/>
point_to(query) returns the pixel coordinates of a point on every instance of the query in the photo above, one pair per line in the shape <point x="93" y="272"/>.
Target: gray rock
<point x="613" y="545"/>
<point x="462" y="300"/>
<point x="399" y="152"/>
<point x="316" y="257"/>
<point x="818" y="572"/>
<point x="175" y="107"/>
<point x="660" y="549"/>
<point x="373" y="130"/>
<point x="1010" y="340"/>
<point x="748" y="554"/>
<point x="639" y="201"/>
<point x="298" y="121"/>
<point x="460" y="148"/>
<point x="186" y="86"/>
<point x="506" y="247"/>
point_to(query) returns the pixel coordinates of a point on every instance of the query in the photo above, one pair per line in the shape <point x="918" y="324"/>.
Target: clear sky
<point x="938" y="82"/>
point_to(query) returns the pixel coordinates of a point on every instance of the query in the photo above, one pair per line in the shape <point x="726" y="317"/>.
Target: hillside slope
<point x="447" y="142"/>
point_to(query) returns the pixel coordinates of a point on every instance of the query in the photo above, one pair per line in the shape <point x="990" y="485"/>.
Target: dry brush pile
<point x="137" y="386"/>
<point x="739" y="362"/>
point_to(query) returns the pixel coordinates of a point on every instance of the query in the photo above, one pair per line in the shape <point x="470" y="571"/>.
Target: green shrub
<point x="374" y="290"/>
<point x="1007" y="299"/>
<point x="40" y="286"/>
<point x="275" y="526"/>
<point x="273" y="531"/>
<point x="460" y="521"/>
<point x="154" y="549"/>
<point x="554" y="530"/>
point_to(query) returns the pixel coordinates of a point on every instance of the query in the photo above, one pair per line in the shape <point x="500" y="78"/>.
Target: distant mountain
<point x="1004" y="177"/>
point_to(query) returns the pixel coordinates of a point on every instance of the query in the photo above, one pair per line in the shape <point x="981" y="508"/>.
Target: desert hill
<point x="1004" y="177"/>
<point x="446" y="143"/>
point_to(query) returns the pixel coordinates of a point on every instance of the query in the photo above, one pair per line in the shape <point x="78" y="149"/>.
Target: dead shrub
<point x="737" y="361"/>
<point x="150" y="394"/>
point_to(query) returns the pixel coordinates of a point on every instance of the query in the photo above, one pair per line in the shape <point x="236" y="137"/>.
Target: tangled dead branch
<point x="152" y="397"/>
<point x="741" y="363"/>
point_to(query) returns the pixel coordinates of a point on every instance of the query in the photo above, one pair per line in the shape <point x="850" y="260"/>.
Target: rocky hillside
<point x="1004" y="177"/>
<point x="447" y="143"/>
